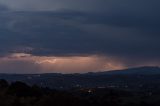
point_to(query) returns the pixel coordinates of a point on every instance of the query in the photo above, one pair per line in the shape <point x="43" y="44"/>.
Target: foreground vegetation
<point x="20" y="94"/>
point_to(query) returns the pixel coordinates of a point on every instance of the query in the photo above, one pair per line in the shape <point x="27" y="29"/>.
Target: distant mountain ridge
<point x="146" y="70"/>
<point x="136" y="70"/>
<point x="130" y="78"/>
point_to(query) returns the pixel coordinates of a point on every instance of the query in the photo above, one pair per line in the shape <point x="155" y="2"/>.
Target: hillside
<point x="128" y="78"/>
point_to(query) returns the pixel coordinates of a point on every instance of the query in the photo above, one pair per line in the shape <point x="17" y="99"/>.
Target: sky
<point x="78" y="36"/>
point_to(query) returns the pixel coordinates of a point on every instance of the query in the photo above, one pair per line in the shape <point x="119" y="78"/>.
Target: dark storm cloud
<point x="121" y="28"/>
<point x="3" y="8"/>
<point x="84" y="5"/>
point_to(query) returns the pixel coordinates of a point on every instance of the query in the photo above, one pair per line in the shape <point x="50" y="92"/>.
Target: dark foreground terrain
<point x="130" y="87"/>
<point x="20" y="94"/>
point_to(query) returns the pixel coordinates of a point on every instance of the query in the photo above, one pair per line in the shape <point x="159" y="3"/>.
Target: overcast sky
<point x="55" y="35"/>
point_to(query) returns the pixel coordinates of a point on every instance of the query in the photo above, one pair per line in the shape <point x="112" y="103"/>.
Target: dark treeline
<point x="20" y="94"/>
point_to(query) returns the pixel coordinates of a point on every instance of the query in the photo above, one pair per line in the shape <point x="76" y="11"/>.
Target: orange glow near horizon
<point x="71" y="64"/>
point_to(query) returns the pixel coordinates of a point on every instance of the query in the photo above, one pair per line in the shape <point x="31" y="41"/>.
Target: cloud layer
<point x="127" y="31"/>
<point x="136" y="6"/>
